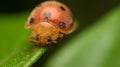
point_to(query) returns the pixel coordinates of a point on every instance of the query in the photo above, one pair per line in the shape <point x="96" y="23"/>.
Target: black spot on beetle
<point x="31" y="20"/>
<point x="46" y="15"/>
<point x="62" y="25"/>
<point x="62" y="8"/>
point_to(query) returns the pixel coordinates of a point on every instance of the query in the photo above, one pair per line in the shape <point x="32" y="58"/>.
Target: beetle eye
<point x="61" y="25"/>
<point x="31" y="21"/>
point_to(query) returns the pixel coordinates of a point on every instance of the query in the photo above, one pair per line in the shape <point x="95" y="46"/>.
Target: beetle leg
<point x="55" y="42"/>
<point x="34" y="40"/>
<point x="31" y="39"/>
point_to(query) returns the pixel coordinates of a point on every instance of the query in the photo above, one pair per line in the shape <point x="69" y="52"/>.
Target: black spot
<point x="62" y="25"/>
<point x="31" y="21"/>
<point x="62" y="8"/>
<point x="46" y="15"/>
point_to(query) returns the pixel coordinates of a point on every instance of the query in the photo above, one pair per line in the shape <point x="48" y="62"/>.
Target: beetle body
<point x="48" y="22"/>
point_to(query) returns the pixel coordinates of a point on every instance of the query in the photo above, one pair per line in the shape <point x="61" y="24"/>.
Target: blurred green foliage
<point x="99" y="46"/>
<point x="93" y="44"/>
<point x="15" y="50"/>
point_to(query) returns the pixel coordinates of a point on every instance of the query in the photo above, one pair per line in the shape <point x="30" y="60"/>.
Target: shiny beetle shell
<point x="48" y="22"/>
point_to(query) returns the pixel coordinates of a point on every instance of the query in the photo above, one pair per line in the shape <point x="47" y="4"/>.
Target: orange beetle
<point x="49" y="21"/>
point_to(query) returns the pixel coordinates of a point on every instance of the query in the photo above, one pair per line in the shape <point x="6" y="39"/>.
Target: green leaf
<point x="15" y="50"/>
<point x="99" y="46"/>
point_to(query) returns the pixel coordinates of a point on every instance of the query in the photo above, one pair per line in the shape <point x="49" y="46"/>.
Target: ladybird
<point x="48" y="22"/>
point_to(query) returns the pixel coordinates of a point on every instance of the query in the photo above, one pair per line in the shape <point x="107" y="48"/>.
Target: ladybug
<point x="48" y="22"/>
